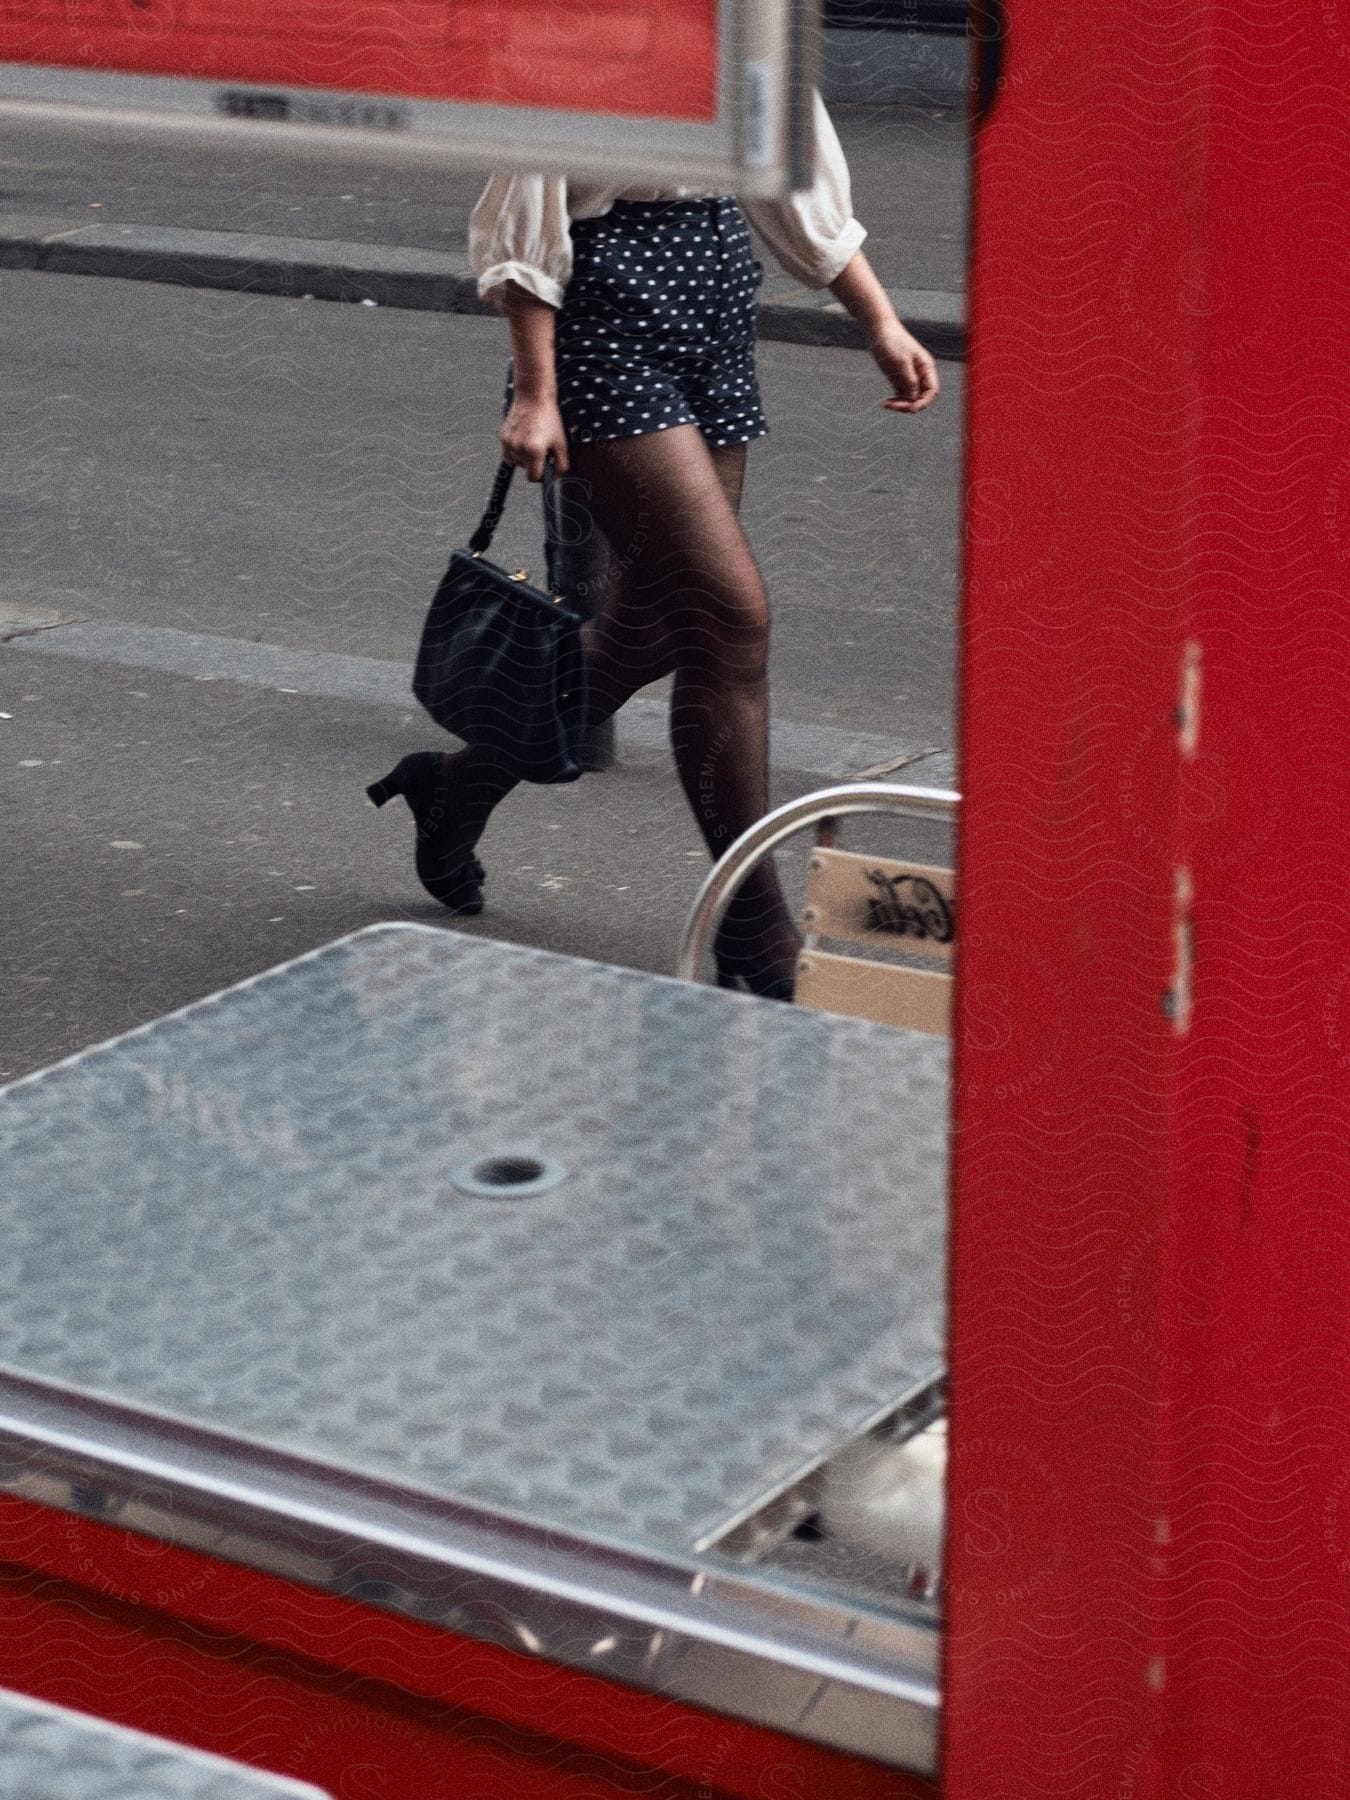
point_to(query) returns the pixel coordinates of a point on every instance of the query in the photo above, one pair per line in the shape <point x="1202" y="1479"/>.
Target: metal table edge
<point x="76" y="1057"/>
<point x="695" y="1630"/>
<point x="386" y="927"/>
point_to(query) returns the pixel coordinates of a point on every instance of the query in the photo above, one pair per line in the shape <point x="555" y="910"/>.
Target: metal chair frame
<point x="725" y="878"/>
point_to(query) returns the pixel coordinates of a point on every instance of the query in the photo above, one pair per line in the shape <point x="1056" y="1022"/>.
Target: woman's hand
<point x="899" y="355"/>
<point x="534" y="428"/>
<point x="908" y="367"/>
<point x="533" y="432"/>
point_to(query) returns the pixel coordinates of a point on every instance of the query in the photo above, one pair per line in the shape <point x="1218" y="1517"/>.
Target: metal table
<point x="49" y="1753"/>
<point x="499" y="1289"/>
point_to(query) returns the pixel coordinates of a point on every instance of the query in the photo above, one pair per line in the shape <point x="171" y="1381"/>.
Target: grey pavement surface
<point x="379" y="275"/>
<point x="909" y="166"/>
<point x="79" y="198"/>
<point x="888" y="66"/>
<point x="827" y="750"/>
<point x="235" y="496"/>
<point x="251" y="467"/>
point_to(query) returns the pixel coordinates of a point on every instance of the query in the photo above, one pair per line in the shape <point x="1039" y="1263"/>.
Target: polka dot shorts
<point x="657" y="326"/>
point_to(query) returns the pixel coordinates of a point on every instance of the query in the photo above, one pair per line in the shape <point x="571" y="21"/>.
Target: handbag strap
<point x="496" y="506"/>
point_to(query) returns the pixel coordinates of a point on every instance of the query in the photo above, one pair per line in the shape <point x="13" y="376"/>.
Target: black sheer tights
<point x="685" y="599"/>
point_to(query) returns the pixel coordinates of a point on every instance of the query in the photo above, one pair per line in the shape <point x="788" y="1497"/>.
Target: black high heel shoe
<point x="460" y="887"/>
<point x="739" y="963"/>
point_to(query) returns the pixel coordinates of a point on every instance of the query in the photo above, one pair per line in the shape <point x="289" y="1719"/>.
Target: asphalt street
<point x="224" y="516"/>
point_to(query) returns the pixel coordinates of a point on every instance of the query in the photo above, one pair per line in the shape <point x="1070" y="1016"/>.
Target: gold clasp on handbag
<point x="521" y="575"/>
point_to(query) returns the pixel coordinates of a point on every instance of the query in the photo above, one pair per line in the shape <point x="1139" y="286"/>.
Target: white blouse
<point x="521" y="227"/>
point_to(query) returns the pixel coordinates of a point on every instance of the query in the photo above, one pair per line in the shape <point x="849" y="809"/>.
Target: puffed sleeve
<point x="520" y="231"/>
<point x="813" y="234"/>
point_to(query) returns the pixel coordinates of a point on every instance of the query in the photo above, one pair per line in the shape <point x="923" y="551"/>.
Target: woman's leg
<point x="686" y="597"/>
<point x="693" y="602"/>
<point x="629" y="642"/>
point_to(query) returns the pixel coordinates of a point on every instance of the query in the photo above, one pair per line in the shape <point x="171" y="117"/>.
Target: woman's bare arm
<point x="533" y="430"/>
<point x="899" y="355"/>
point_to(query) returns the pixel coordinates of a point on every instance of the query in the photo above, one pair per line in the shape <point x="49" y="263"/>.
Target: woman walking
<point x="632" y="318"/>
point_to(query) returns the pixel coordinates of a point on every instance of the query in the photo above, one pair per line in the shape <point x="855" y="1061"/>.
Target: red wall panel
<point x="1150" y="1357"/>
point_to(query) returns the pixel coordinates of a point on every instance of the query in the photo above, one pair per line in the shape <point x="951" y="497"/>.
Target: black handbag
<point x="500" y="664"/>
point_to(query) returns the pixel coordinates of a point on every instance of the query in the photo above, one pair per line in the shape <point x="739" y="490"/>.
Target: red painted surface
<point x="1150" y="1489"/>
<point x="655" y="59"/>
<point x="368" y="1705"/>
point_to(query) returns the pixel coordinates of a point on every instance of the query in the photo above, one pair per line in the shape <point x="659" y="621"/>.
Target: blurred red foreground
<point x="657" y="59"/>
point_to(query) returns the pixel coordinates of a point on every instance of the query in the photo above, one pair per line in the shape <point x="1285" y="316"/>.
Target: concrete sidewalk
<point x="77" y="199"/>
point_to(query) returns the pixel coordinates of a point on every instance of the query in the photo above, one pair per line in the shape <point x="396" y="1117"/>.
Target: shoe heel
<point x="388" y="788"/>
<point x="414" y="779"/>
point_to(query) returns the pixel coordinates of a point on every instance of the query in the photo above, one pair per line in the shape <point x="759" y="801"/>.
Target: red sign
<point x="656" y="60"/>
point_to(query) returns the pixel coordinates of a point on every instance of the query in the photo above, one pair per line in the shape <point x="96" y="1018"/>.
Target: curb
<point x="832" y="752"/>
<point x="418" y="280"/>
